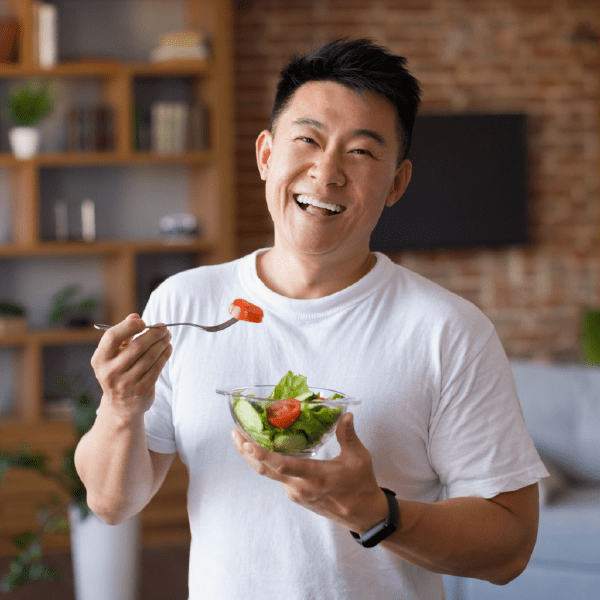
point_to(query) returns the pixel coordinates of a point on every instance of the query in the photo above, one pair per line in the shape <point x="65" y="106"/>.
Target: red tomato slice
<point x="283" y="413"/>
<point x="246" y="311"/>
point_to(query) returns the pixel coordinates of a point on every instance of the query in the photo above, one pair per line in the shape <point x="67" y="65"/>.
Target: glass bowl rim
<point x="238" y="393"/>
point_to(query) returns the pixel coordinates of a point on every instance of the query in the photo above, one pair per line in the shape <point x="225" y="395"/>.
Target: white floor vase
<point x="105" y="557"/>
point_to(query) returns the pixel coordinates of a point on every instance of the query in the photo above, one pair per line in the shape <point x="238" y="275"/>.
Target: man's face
<point x="337" y="149"/>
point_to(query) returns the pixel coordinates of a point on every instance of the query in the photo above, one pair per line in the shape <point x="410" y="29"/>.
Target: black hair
<point x="361" y="65"/>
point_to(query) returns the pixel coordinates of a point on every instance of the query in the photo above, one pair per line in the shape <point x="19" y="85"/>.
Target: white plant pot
<point x="105" y="557"/>
<point x="24" y="141"/>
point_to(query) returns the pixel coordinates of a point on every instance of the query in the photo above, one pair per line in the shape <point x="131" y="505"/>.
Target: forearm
<point x="469" y="537"/>
<point x="115" y="466"/>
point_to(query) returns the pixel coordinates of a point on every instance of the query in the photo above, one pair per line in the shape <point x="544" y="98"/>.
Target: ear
<point x="264" y="143"/>
<point x="401" y="181"/>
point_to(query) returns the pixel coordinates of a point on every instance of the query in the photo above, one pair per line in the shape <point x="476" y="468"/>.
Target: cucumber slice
<point x="290" y="442"/>
<point x="249" y="418"/>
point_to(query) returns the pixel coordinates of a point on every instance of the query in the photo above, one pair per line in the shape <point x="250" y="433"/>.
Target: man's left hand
<point x="343" y="489"/>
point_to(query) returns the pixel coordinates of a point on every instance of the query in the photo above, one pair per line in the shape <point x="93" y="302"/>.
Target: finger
<point x="346" y="434"/>
<point x="151" y="362"/>
<point x="150" y="377"/>
<point x="131" y="317"/>
<point x="274" y="465"/>
<point x="111" y="341"/>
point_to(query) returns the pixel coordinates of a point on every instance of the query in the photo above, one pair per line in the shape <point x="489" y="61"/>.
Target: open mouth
<point x="316" y="207"/>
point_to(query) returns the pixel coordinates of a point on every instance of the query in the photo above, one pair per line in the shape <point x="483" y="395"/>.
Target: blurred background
<point x="538" y="281"/>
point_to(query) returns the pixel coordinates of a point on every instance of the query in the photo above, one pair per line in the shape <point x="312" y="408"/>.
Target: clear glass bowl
<point x="316" y="424"/>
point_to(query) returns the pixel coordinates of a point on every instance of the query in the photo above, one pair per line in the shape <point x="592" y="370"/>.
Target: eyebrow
<point x="356" y="133"/>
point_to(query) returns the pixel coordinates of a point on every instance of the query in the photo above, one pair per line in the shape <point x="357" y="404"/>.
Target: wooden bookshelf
<point x="210" y="177"/>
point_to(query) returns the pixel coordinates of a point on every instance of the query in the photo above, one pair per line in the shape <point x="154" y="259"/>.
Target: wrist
<point x="377" y="510"/>
<point x="119" y="417"/>
<point x="384" y="528"/>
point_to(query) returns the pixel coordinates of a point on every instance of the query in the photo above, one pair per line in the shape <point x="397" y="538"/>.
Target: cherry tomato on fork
<point x="245" y="311"/>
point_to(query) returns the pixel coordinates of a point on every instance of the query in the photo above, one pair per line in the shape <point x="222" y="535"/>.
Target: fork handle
<point x="104" y="327"/>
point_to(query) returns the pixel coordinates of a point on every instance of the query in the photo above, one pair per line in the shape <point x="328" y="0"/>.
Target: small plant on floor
<point x="27" y="565"/>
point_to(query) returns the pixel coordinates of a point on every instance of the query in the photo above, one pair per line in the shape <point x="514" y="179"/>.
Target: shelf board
<point x="109" y="68"/>
<point x="51" y="337"/>
<point x="101" y="248"/>
<point x="74" y="159"/>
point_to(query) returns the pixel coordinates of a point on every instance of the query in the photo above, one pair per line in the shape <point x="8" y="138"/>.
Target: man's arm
<point x="470" y="537"/>
<point x="119" y="472"/>
<point x="490" y="539"/>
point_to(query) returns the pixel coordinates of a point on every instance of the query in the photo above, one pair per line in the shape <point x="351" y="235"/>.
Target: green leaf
<point x="28" y="104"/>
<point x="290" y="386"/>
<point x="22" y="540"/>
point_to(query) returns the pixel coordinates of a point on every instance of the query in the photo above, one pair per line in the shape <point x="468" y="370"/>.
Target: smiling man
<point x="440" y="474"/>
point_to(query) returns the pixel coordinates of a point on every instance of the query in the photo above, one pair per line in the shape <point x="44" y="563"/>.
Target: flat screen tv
<point x="468" y="186"/>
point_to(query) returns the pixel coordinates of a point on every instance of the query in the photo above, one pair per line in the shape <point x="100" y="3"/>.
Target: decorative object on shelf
<point x="88" y="221"/>
<point x="178" y="127"/>
<point x="589" y="338"/>
<point x="105" y="557"/>
<point x="13" y="317"/>
<point x="46" y="32"/>
<point x="179" y="227"/>
<point x="71" y="313"/>
<point x="61" y="221"/>
<point x="9" y="40"/>
<point x="91" y="128"/>
<point x="181" y="45"/>
<point x="27" y="106"/>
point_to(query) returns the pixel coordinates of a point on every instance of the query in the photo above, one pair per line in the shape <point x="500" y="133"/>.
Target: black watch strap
<point x="384" y="528"/>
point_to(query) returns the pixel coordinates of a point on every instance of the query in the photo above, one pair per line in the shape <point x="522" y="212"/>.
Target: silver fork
<point x="103" y="327"/>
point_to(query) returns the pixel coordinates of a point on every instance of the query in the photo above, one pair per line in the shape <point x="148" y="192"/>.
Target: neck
<point x="308" y="276"/>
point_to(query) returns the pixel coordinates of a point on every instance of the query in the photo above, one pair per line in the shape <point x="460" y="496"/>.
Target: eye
<point x="307" y="140"/>
<point x="361" y="151"/>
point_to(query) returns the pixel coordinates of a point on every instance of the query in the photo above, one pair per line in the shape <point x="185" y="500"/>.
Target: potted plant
<point x="105" y="558"/>
<point x="589" y="337"/>
<point x="68" y="311"/>
<point x="26" y="107"/>
<point x="12" y="317"/>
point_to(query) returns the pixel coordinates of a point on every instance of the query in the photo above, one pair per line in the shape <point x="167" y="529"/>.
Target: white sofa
<point x="561" y="405"/>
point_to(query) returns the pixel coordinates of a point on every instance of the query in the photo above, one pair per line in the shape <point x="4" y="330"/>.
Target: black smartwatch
<point x="384" y="528"/>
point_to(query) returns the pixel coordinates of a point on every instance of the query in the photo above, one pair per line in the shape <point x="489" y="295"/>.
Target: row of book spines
<point x="174" y="127"/>
<point x="91" y="128"/>
<point x="178" y="127"/>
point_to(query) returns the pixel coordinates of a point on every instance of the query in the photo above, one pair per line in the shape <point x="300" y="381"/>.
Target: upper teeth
<point x="302" y="198"/>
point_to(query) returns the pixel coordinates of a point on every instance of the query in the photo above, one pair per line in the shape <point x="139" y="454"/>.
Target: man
<point x="439" y="426"/>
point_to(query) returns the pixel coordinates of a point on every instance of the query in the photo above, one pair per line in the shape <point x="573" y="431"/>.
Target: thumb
<point x="345" y="432"/>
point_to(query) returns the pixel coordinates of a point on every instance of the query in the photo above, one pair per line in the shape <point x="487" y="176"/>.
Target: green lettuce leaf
<point x="290" y="386"/>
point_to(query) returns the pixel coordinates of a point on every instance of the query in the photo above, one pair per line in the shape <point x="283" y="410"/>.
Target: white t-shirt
<point x="439" y="413"/>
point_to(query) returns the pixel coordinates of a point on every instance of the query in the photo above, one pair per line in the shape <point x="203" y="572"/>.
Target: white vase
<point x="105" y="557"/>
<point x="24" y="141"/>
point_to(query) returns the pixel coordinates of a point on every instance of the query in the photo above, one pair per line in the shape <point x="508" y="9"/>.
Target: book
<point x="198" y="127"/>
<point x="177" y="127"/>
<point x="47" y="35"/>
<point x="9" y="40"/>
<point x="90" y="128"/>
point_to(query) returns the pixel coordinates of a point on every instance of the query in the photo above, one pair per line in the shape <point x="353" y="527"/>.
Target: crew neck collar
<point x="294" y="308"/>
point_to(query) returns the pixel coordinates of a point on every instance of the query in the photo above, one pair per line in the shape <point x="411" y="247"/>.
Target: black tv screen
<point x="468" y="186"/>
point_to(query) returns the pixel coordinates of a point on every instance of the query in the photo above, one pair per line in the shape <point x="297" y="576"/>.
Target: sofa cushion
<point x="569" y="531"/>
<point x="561" y="406"/>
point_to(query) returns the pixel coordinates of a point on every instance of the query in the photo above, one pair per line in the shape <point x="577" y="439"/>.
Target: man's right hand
<point x="127" y="369"/>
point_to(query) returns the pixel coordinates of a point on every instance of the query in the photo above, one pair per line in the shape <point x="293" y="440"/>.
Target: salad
<point x="291" y="419"/>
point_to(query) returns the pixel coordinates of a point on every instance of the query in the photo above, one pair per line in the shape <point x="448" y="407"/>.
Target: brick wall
<point x="540" y="57"/>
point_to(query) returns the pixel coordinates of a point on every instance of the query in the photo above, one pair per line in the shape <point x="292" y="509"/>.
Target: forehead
<point x="336" y="105"/>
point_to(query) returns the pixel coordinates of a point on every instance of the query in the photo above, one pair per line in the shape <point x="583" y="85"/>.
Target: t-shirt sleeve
<point x="158" y="419"/>
<point x="478" y="441"/>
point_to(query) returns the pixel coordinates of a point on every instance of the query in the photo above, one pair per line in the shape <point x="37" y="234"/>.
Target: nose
<point x="328" y="169"/>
